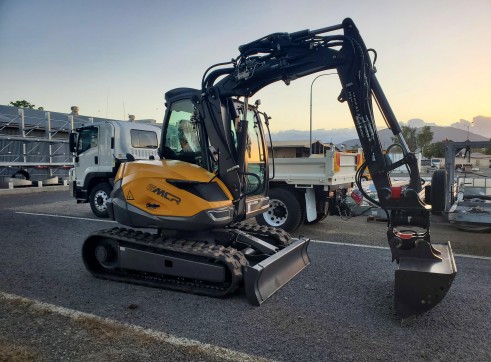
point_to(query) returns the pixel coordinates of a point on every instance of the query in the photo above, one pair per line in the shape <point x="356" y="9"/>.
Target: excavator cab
<point x="186" y="138"/>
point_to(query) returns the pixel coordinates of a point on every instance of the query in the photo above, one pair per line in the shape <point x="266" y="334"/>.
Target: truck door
<point x="87" y="159"/>
<point x="105" y="146"/>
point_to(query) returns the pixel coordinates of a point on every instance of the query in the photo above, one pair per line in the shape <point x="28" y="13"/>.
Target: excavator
<point x="213" y="174"/>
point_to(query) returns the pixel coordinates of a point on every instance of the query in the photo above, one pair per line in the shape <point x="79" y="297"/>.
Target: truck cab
<point x="99" y="150"/>
<point x="435" y="163"/>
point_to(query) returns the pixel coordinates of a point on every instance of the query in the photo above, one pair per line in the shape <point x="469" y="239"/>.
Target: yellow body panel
<point x="145" y="186"/>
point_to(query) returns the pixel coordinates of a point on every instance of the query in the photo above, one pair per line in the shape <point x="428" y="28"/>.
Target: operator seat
<point x="188" y="136"/>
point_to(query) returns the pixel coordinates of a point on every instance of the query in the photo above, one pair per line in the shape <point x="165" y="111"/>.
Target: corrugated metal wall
<point x="28" y="150"/>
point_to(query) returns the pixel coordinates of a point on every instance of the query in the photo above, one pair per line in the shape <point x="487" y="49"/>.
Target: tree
<point x="487" y="150"/>
<point x="415" y="138"/>
<point x="24" y="104"/>
<point x="436" y="149"/>
<point x="424" y="138"/>
<point x="409" y="135"/>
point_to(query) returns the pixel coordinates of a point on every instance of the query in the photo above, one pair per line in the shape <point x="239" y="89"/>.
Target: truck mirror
<point x="73" y="142"/>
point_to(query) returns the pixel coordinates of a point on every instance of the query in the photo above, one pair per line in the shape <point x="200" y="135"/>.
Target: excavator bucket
<point x="262" y="280"/>
<point x="421" y="283"/>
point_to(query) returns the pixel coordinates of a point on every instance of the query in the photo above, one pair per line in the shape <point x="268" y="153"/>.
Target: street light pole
<point x="311" y="86"/>
<point x="470" y="124"/>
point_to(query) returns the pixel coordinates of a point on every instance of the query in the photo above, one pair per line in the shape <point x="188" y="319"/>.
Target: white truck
<point x="306" y="190"/>
<point x="99" y="149"/>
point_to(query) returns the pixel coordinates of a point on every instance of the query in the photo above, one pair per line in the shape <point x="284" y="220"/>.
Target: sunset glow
<point x="114" y="58"/>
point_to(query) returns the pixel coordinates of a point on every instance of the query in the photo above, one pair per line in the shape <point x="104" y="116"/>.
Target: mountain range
<point x="349" y="137"/>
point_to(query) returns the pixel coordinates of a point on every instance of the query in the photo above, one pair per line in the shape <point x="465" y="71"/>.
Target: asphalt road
<point x="338" y="309"/>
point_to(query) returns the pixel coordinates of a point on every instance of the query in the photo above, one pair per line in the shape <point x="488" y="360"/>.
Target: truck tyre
<point x="22" y="174"/>
<point x="285" y="211"/>
<point x="98" y="199"/>
<point x="438" y="191"/>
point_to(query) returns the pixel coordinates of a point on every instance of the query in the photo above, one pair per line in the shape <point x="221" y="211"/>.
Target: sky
<point x="112" y="58"/>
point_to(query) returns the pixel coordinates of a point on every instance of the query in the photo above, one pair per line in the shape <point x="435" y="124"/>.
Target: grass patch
<point x="99" y="328"/>
<point x="15" y="353"/>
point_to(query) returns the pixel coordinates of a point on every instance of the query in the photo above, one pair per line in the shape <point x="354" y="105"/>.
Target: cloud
<point x="462" y="124"/>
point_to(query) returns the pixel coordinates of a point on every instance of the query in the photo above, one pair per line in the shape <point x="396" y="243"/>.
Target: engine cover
<point x="169" y="194"/>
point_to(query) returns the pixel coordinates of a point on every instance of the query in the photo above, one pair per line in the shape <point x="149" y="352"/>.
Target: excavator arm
<point x="426" y="271"/>
<point x="286" y="57"/>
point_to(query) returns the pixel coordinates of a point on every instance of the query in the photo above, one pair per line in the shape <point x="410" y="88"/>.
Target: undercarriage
<point x="212" y="263"/>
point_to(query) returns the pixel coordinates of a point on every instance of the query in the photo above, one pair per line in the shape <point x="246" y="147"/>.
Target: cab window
<point x="87" y="139"/>
<point x="182" y="133"/>
<point x="143" y="139"/>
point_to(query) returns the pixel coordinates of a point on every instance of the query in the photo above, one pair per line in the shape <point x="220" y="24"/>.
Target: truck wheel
<point x="98" y="199"/>
<point x="22" y="174"/>
<point x="285" y="211"/>
<point x="438" y="191"/>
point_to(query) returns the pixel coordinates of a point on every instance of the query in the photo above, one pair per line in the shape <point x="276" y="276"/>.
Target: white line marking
<point x="64" y="216"/>
<point x="473" y="256"/>
<point x="387" y="248"/>
<point x="349" y="244"/>
<point x="314" y="241"/>
<point x="210" y="349"/>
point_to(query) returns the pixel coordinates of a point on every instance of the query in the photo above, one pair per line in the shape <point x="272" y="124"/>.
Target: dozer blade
<point x="421" y="283"/>
<point x="262" y="280"/>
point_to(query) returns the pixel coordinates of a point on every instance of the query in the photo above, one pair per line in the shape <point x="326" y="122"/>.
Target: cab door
<point x="256" y="162"/>
<point x="87" y="159"/>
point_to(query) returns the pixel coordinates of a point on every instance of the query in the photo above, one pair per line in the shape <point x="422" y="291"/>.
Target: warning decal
<point x="129" y="196"/>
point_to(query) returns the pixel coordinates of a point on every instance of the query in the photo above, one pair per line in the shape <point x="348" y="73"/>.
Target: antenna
<point x="107" y="101"/>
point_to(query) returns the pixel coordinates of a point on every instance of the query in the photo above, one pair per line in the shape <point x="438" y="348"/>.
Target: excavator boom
<point x="426" y="270"/>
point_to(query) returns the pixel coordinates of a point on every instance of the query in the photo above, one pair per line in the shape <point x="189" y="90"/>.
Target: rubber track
<point x="229" y="257"/>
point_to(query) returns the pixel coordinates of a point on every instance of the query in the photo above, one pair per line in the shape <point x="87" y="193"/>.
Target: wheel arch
<point x="96" y="178"/>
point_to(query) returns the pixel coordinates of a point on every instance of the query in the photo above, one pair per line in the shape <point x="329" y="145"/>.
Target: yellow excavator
<point x="213" y="174"/>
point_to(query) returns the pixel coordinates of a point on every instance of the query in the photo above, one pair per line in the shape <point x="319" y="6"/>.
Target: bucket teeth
<point x="421" y="283"/>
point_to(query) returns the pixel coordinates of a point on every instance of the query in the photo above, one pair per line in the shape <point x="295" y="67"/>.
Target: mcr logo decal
<point x="162" y="193"/>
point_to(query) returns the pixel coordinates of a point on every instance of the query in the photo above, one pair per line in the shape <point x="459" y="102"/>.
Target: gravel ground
<point x="34" y="331"/>
<point x="337" y="309"/>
